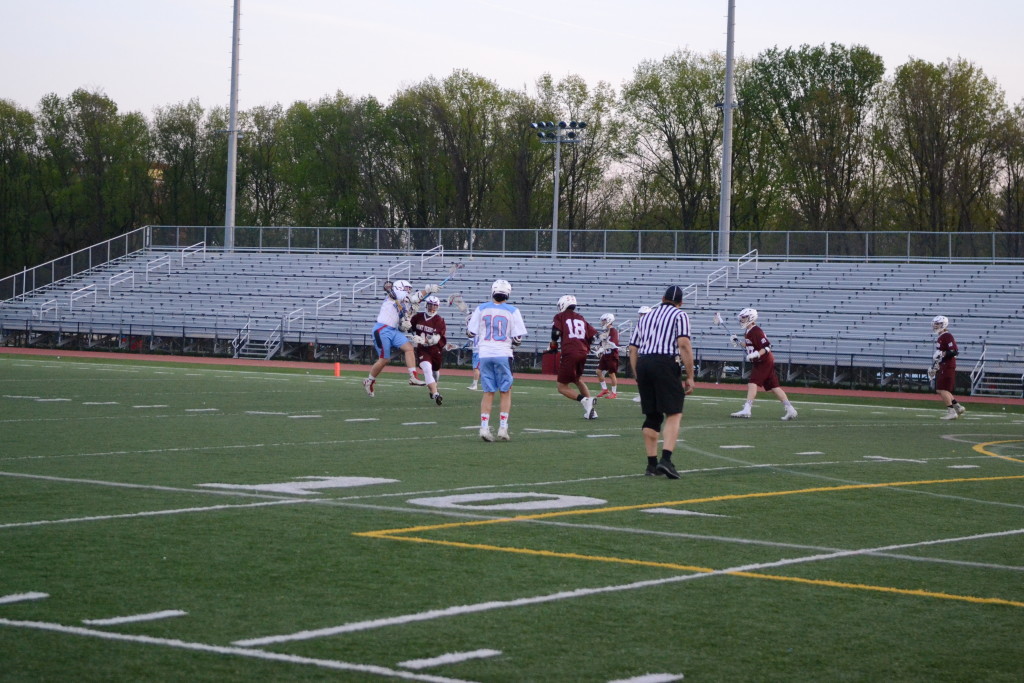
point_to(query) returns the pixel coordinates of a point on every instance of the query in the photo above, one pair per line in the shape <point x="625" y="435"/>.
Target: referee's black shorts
<point x="659" y="379"/>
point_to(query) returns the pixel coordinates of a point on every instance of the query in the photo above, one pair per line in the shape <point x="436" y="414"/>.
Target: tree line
<point x="822" y="141"/>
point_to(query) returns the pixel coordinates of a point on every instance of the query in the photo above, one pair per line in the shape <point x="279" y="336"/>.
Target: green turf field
<point x="183" y="523"/>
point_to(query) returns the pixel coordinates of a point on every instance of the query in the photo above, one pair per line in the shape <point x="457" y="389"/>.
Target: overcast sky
<point x="145" y="54"/>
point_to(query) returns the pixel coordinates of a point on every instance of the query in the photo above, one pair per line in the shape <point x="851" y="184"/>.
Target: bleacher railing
<point x="786" y="245"/>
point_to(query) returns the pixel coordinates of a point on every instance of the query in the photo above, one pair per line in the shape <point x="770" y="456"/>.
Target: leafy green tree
<point x="815" y="105"/>
<point x="19" y="204"/>
<point x="672" y="138"/>
<point x="189" y="165"/>
<point x="938" y="130"/>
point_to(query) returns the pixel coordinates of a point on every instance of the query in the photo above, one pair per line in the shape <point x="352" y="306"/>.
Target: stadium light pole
<point x="557" y="134"/>
<point x="727" y="105"/>
<point x="229" y="200"/>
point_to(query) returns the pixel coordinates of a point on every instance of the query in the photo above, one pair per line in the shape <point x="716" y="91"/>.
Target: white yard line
<point x="151" y="616"/>
<point x="460" y="610"/>
<point x="21" y="597"/>
<point x="449" y="658"/>
<point x="236" y="651"/>
<point x="152" y="513"/>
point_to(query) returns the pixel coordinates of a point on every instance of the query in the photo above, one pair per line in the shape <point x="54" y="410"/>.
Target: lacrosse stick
<point x="455" y="267"/>
<point x="717" y="320"/>
<point x="458" y="302"/>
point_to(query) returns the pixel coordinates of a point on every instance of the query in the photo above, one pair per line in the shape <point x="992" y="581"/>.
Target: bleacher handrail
<point x="81" y="293"/>
<point x="31" y="279"/>
<point x="435" y="252"/>
<point x="979" y="370"/>
<point x="158" y="262"/>
<point x="362" y="286"/>
<point x="193" y="250"/>
<point x="405" y="265"/>
<point x="715" y="276"/>
<point x="749" y="257"/>
<point x="324" y="302"/>
<point x="123" y="276"/>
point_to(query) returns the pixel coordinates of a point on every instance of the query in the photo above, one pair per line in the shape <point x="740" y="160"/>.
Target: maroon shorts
<point x="609" y="362"/>
<point x="945" y="378"/>
<point x="570" y="368"/>
<point x="763" y="373"/>
<point x="429" y="353"/>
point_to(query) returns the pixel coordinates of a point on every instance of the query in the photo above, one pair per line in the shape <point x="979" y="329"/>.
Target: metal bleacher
<point x="842" y="313"/>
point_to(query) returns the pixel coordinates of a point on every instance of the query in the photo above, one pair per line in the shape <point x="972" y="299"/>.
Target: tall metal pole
<point x="554" y="212"/>
<point x="728" y="104"/>
<point x="229" y="203"/>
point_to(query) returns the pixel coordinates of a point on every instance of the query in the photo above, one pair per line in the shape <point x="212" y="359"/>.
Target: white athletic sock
<point x="503" y="423"/>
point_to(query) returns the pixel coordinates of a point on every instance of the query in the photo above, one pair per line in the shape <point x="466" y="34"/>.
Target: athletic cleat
<point x="472" y="387"/>
<point x="612" y="394"/>
<point x="368" y="385"/>
<point x="604" y="392"/>
<point x="588" y="406"/>
<point x="437" y="399"/>
<point x="742" y="413"/>
<point x="790" y="414"/>
<point x="951" y="414"/>
<point x="668" y="469"/>
<point x="960" y="410"/>
<point x="653" y="471"/>
<point x="485" y="434"/>
<point x="416" y="381"/>
<point x="503" y="434"/>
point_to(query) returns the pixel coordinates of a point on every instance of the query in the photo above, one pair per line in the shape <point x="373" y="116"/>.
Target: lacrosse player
<point x="608" y="355"/>
<point x="428" y="336"/>
<point x="576" y="335"/>
<point x="660" y="343"/>
<point x="943" y="368"/>
<point x="497" y="326"/>
<point x="759" y="353"/>
<point x="392" y="321"/>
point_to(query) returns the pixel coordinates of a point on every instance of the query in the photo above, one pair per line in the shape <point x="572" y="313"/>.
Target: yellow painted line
<point x="705" y="570"/>
<point x="691" y="501"/>
<point x="981" y="448"/>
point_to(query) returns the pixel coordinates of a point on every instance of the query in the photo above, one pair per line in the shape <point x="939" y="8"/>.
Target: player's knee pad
<point x="653" y="421"/>
<point x="428" y="372"/>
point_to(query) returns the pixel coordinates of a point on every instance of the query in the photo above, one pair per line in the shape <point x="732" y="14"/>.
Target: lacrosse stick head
<point x="458" y="302"/>
<point x="717" y="319"/>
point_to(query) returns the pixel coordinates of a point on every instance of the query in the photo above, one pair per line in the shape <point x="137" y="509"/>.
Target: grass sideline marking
<point x="222" y="650"/>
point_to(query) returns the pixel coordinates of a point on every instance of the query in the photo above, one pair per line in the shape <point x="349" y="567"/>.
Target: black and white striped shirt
<point x="658" y="331"/>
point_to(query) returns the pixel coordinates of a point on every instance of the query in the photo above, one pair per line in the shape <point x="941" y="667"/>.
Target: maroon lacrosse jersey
<point x="434" y="353"/>
<point x="575" y="333"/>
<point x="945" y="343"/>
<point x="756" y="340"/>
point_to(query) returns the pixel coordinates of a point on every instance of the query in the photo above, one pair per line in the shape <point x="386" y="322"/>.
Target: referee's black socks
<point x="666" y="455"/>
<point x="652" y="461"/>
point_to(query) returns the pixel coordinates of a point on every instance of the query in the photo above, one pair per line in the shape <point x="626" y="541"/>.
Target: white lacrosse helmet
<point x="565" y="302"/>
<point x="747" y="317"/>
<point x="502" y="287"/>
<point x="939" y="324"/>
<point x="403" y="285"/>
<point x="643" y="310"/>
<point x="433" y="304"/>
<point x="607" y="319"/>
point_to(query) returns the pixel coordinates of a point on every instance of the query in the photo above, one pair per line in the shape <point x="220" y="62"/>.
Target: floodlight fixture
<point x="557" y="134"/>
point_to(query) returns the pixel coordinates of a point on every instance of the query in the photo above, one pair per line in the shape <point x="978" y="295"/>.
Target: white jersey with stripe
<point x="392" y="310"/>
<point x="494" y="325"/>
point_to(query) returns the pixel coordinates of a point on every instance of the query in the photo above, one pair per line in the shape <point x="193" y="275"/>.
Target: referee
<point x="658" y="338"/>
